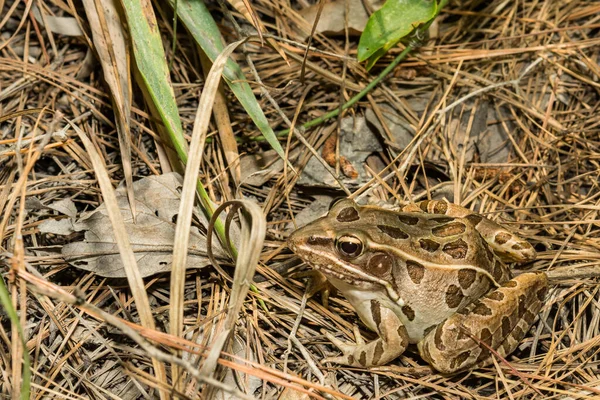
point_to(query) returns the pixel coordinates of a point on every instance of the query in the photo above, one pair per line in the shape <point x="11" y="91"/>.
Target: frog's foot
<point x="506" y="245"/>
<point x="498" y="321"/>
<point x="316" y="283"/>
<point x="392" y="341"/>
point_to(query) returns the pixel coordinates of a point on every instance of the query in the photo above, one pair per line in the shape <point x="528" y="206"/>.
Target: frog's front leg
<point x="392" y="340"/>
<point x="499" y="320"/>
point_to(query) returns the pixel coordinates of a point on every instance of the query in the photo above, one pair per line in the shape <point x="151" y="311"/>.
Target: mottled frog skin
<point x="433" y="274"/>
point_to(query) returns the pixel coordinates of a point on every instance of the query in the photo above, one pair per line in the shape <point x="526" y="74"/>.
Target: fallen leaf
<point x="65" y="206"/>
<point x="259" y="168"/>
<point x="151" y="236"/>
<point x="357" y="143"/>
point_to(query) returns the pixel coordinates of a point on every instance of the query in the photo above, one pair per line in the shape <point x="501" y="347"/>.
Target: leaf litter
<point x="151" y="235"/>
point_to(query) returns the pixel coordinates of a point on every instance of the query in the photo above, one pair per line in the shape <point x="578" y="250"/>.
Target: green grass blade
<point x="203" y="28"/>
<point x="14" y="318"/>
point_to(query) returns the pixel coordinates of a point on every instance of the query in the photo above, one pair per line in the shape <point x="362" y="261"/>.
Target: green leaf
<point x="201" y="25"/>
<point x="387" y="26"/>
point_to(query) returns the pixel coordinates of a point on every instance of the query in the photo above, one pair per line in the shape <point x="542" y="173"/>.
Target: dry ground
<point x="499" y="111"/>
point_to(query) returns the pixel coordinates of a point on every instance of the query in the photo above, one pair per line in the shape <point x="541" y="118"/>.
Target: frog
<point x="431" y="274"/>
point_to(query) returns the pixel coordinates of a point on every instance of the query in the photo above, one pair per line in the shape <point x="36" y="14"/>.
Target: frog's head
<point x="340" y="245"/>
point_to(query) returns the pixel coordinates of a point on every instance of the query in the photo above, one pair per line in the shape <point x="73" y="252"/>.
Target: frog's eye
<point x="349" y="246"/>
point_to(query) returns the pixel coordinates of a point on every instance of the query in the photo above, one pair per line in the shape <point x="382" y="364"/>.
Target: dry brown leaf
<point x="157" y="204"/>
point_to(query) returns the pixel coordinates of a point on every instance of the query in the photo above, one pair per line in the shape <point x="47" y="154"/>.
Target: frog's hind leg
<point x="500" y="320"/>
<point x="508" y="246"/>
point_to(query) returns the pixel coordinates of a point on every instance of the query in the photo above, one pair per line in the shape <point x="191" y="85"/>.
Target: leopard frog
<point x="432" y="274"/>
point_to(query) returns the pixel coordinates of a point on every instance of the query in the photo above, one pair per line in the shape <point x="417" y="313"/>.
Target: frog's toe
<point x="357" y="337"/>
<point x="346" y="348"/>
<point x="342" y="360"/>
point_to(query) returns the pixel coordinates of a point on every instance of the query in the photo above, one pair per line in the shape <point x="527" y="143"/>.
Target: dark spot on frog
<point x="502" y="237"/>
<point x="348" y="214"/>
<point x="464" y="311"/>
<point x="517" y="333"/>
<point x="437" y="338"/>
<point x="511" y="284"/>
<point x="466" y="277"/>
<point x="521" y="246"/>
<point x="393" y="232"/>
<point x="457" y="249"/>
<point x="541" y="294"/>
<point x="429" y="245"/>
<point x="380" y="264"/>
<point x="481" y="309"/>
<point x="415" y="271"/>
<point x="498" y="271"/>
<point x="454" y="296"/>
<point x="376" y="312"/>
<point x="408" y="219"/>
<point x="522" y="305"/>
<point x="486" y="336"/>
<point x="403" y="334"/>
<point x="440" y="207"/>
<point x="496" y="296"/>
<point x="378" y="352"/>
<point x="362" y="360"/>
<point x="474" y="219"/>
<point x="409" y="312"/>
<point x="441" y="220"/>
<point x="424" y="205"/>
<point x="485" y="353"/>
<point x="506" y="326"/>
<point x="460" y="359"/>
<point x="529" y="317"/>
<point x="450" y="229"/>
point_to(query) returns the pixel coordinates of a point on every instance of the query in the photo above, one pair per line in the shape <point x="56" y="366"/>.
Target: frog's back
<point x="441" y="264"/>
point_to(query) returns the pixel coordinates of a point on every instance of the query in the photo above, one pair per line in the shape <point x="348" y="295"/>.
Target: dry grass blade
<point x="136" y="283"/>
<point x="188" y="193"/>
<point x="254" y="226"/>
<point x="110" y="45"/>
<point x="223" y="121"/>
